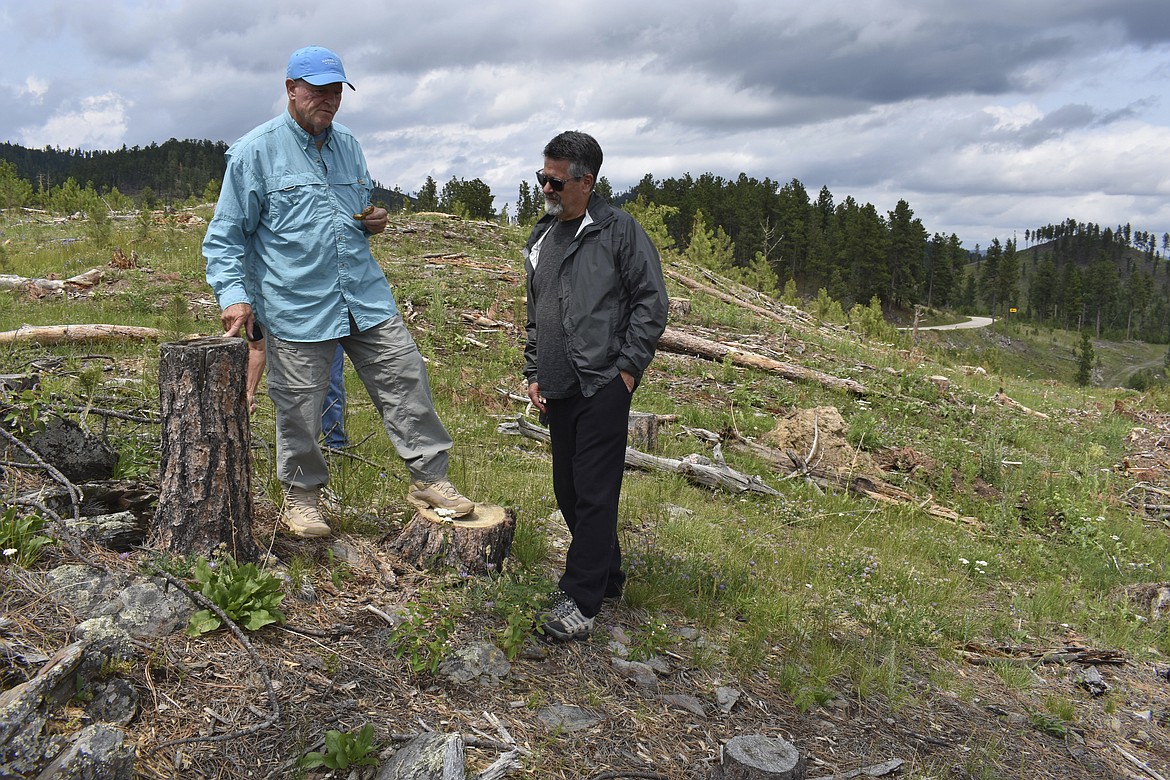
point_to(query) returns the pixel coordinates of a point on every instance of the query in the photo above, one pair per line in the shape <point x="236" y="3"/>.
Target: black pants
<point x="588" y="452"/>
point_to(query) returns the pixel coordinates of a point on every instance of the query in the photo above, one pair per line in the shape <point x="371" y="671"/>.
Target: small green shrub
<point x="424" y="638"/>
<point x="650" y="641"/>
<point x="517" y="600"/>
<point x="25" y="412"/>
<point x="826" y="309"/>
<point x="343" y="750"/>
<point x="870" y="322"/>
<point x="249" y="597"/>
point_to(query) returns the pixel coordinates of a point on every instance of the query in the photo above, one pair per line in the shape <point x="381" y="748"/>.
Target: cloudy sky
<point x="988" y="117"/>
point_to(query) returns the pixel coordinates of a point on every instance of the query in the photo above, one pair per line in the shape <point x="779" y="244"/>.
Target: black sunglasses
<point x="558" y="185"/>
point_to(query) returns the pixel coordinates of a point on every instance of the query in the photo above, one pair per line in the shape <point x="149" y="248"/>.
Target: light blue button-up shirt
<point x="284" y="239"/>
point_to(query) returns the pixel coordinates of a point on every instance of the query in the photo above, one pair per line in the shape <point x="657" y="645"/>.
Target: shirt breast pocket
<point x="291" y="198"/>
<point x="352" y="192"/>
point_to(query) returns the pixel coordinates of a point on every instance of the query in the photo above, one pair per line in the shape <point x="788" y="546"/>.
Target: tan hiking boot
<point x="302" y="513"/>
<point x="440" y="496"/>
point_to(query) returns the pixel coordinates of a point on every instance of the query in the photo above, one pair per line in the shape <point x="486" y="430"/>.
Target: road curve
<point x="974" y="322"/>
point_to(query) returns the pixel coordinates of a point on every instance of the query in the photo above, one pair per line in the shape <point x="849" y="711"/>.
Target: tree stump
<point x="476" y="543"/>
<point x="643" y="428"/>
<point x="429" y="756"/>
<point x="205" y="477"/>
<point x="756" y="757"/>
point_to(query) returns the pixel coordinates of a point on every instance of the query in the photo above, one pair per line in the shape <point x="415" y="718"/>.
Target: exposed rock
<point x="114" y="701"/>
<point x="658" y="664"/>
<point x="641" y="674"/>
<point x="120" y="532"/>
<point x="691" y="704"/>
<point x="77" y="454"/>
<point x="481" y="663"/>
<point x="1092" y="681"/>
<point x="28" y="748"/>
<point x="620" y="636"/>
<point x="725" y="698"/>
<point x="618" y="649"/>
<point x="566" y="718"/>
<point x="138" y="606"/>
<point x="97" y="753"/>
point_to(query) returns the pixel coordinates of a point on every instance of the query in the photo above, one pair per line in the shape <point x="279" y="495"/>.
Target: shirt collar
<point x="303" y="134"/>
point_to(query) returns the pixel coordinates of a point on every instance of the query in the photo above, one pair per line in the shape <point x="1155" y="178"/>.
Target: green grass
<point x="828" y="593"/>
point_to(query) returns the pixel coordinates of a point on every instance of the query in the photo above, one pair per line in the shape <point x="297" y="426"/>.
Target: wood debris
<point x="674" y="340"/>
<point x="980" y="654"/>
<point x="1002" y="399"/>
<point x="80" y="282"/>
<point x="63" y="334"/>
<point x="697" y="469"/>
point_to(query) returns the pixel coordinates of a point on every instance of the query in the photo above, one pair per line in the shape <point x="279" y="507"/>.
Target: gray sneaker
<point x="564" y="619"/>
<point x="440" y="495"/>
<point x="302" y="513"/>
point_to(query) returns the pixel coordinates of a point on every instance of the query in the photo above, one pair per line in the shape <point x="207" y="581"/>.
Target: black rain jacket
<point x="613" y="298"/>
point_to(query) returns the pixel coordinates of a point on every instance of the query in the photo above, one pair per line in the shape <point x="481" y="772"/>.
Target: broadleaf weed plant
<point x="344" y="749"/>
<point x="248" y="596"/>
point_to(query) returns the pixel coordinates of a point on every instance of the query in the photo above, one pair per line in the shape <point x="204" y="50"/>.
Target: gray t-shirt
<point x="554" y="371"/>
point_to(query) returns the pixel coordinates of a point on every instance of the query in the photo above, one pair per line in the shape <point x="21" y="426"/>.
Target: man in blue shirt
<point x="289" y="246"/>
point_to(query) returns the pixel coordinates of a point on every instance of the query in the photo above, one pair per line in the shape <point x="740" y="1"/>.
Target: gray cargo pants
<point x="392" y="369"/>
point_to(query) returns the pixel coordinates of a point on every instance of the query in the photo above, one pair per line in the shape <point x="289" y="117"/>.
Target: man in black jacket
<point x="596" y="308"/>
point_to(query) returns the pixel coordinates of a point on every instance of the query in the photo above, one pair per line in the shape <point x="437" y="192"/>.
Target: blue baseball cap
<point x="318" y="66"/>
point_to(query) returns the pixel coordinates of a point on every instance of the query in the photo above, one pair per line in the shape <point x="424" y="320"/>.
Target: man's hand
<point x="376" y="220"/>
<point x="535" y="397"/>
<point x="236" y="316"/>
<point x="628" y="378"/>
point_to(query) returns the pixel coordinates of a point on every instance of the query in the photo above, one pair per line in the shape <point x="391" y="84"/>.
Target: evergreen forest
<point x="1109" y="280"/>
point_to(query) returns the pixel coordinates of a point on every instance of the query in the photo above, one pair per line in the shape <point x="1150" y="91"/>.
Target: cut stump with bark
<point x="756" y="757"/>
<point x="643" y="431"/>
<point x="476" y="543"/>
<point x="205" y="476"/>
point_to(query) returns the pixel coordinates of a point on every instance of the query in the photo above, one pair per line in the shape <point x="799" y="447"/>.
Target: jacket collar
<point x="597" y="213"/>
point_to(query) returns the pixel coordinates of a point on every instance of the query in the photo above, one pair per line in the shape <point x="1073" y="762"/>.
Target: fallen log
<point x="81" y="281"/>
<point x="980" y="654"/>
<point x="61" y="334"/>
<point x="674" y="340"/>
<point x="1003" y="399"/>
<point x="863" y="485"/>
<point x="789" y="315"/>
<point x="694" y="468"/>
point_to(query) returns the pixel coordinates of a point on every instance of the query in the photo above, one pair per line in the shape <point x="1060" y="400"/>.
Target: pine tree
<point x="1085" y="360"/>
<point x="428" y="196"/>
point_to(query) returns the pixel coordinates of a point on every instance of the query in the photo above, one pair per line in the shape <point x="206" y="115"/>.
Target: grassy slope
<point x="822" y="595"/>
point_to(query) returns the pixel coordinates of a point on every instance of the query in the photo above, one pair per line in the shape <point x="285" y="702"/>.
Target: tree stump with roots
<point x="476" y="543"/>
<point x="205" y="474"/>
